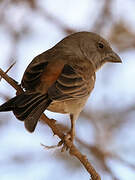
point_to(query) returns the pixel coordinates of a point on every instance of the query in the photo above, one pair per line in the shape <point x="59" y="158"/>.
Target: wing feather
<point x="69" y="85"/>
<point x="32" y="75"/>
<point x="60" y="81"/>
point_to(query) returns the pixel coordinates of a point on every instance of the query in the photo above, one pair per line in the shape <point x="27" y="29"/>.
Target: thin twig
<point x="11" y="81"/>
<point x="8" y="69"/>
<point x="51" y="123"/>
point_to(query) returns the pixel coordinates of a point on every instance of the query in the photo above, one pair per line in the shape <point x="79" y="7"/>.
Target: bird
<point x="61" y="79"/>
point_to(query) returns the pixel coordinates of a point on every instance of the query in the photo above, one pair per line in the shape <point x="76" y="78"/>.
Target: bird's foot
<point x="67" y="141"/>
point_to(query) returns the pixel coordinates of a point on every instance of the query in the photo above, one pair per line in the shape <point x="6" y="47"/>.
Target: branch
<point x="11" y="81"/>
<point x="51" y="123"/>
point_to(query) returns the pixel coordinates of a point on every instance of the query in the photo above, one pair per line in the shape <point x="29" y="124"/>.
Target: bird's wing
<point x="56" y="78"/>
<point x="69" y="85"/>
<point x="41" y="74"/>
<point x="33" y="73"/>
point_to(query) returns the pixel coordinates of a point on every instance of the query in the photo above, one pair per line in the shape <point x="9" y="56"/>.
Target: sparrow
<point x="61" y="79"/>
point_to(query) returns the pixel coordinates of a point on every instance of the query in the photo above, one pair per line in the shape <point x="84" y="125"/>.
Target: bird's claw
<point x="63" y="142"/>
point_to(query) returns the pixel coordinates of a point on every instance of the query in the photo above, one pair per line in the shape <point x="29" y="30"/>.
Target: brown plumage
<point x="61" y="79"/>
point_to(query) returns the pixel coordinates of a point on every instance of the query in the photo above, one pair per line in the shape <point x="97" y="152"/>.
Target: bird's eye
<point x="100" y="45"/>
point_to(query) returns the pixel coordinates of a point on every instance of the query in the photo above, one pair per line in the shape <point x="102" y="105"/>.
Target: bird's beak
<point x="113" y="57"/>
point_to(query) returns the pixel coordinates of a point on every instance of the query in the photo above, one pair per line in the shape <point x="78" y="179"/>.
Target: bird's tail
<point x="27" y="107"/>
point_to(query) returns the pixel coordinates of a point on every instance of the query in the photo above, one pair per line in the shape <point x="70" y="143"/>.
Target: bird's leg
<point x="70" y="135"/>
<point x="72" y="131"/>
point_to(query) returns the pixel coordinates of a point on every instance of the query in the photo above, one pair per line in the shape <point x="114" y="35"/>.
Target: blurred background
<point x="105" y="130"/>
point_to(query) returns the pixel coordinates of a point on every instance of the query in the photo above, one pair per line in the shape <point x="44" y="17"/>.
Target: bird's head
<point x="97" y="49"/>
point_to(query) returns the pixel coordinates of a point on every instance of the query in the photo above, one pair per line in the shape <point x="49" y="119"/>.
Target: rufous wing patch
<point x="52" y="72"/>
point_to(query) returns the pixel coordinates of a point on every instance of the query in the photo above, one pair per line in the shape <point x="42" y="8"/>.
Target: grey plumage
<point x="61" y="79"/>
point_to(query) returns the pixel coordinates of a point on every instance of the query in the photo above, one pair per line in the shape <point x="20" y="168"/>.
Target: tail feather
<point x="23" y="110"/>
<point x="32" y="119"/>
<point x="19" y="101"/>
<point x="27" y="107"/>
<point x="8" y="106"/>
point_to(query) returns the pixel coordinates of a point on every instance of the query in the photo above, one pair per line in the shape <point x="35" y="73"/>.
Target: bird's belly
<point x="68" y="106"/>
<point x="57" y="106"/>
